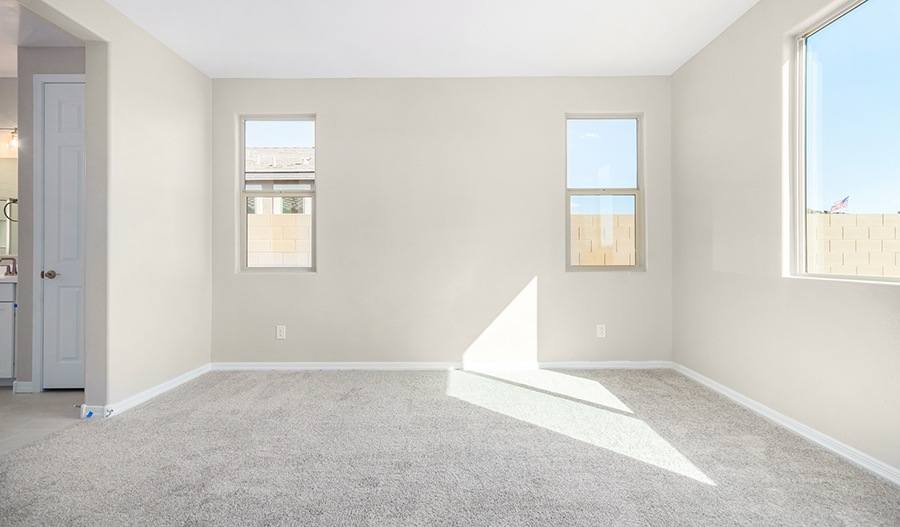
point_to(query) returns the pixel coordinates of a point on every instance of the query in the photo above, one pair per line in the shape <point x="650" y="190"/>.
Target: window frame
<point x="243" y="194"/>
<point x="640" y="262"/>
<point x="798" y="263"/>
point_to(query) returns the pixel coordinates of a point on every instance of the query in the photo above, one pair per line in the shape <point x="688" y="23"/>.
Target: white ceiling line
<point x="429" y="38"/>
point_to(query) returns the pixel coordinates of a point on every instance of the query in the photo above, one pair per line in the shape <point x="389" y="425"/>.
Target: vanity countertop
<point x="8" y="279"/>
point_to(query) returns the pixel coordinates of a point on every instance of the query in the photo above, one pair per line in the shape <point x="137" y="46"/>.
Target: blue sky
<point x="601" y="153"/>
<point x="280" y="133"/>
<point x="853" y="111"/>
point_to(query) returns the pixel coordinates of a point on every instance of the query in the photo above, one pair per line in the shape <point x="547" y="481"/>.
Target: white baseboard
<point x="501" y="365"/>
<point x="610" y="365"/>
<point x="419" y="366"/>
<point x="22" y="387"/>
<point x="865" y="461"/>
<point x="117" y="408"/>
<point x="92" y="411"/>
<point x="294" y="366"/>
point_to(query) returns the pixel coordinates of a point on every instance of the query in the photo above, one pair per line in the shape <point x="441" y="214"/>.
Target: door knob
<point x="51" y="274"/>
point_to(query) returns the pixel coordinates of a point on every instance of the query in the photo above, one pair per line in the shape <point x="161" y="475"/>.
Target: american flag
<point x="842" y="204"/>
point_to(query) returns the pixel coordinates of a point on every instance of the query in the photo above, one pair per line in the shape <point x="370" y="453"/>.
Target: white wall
<point x="148" y="211"/>
<point x="825" y="353"/>
<point x="439" y="201"/>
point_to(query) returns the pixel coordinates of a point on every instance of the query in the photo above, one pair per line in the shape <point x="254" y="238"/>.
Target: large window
<point x="603" y="194"/>
<point x="278" y="178"/>
<point x="850" y="142"/>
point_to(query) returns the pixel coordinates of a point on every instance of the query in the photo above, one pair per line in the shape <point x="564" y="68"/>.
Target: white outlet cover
<point x="601" y="331"/>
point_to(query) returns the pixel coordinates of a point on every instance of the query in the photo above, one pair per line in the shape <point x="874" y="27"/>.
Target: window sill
<point x="277" y="270"/>
<point x="884" y="280"/>
<point x="601" y="268"/>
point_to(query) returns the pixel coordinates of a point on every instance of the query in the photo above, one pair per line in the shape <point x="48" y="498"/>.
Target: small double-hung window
<point x="278" y="194"/>
<point x="603" y="195"/>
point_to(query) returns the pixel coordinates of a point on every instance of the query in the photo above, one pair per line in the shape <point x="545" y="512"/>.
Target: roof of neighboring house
<point x="280" y="160"/>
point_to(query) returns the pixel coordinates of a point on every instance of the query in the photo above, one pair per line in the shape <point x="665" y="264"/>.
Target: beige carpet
<point x="578" y="448"/>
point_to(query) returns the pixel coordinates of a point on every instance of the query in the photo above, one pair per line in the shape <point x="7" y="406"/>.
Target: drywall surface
<point x="32" y="61"/>
<point x="157" y="200"/>
<point x="823" y="352"/>
<point x="9" y="111"/>
<point x="440" y="225"/>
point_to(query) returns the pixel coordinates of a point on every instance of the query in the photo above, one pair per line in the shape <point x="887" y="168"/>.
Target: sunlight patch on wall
<point x="510" y="341"/>
<point x="618" y="433"/>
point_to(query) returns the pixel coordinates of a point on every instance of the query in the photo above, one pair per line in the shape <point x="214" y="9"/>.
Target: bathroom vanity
<point x="7" y="325"/>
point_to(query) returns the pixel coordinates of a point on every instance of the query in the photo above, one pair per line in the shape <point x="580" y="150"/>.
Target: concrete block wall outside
<point x="279" y="240"/>
<point x="854" y="244"/>
<point x="602" y="239"/>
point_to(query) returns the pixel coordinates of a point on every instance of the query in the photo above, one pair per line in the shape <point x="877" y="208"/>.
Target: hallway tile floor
<point x="27" y="417"/>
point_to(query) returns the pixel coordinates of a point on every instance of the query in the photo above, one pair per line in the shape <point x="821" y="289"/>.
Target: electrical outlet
<point x="601" y="331"/>
<point x="280" y="332"/>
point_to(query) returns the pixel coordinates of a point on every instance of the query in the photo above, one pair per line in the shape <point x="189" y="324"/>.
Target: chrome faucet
<point x="14" y="271"/>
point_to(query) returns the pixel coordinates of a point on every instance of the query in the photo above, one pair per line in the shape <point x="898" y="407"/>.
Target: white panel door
<point x="63" y="266"/>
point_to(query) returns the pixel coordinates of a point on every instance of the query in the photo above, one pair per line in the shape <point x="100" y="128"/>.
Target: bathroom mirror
<point x="9" y="194"/>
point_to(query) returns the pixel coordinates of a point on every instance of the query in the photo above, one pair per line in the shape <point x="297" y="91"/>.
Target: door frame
<point x="37" y="321"/>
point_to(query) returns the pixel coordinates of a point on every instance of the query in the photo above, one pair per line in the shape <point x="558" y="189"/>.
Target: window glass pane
<point x="279" y="232"/>
<point x="292" y="186"/>
<point x="602" y="230"/>
<point x="279" y="154"/>
<point x="292" y="205"/>
<point x="852" y="138"/>
<point x="601" y="153"/>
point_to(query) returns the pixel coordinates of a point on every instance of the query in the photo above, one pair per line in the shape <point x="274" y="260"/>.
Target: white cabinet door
<point x="7" y="338"/>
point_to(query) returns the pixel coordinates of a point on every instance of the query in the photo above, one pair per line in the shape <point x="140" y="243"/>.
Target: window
<point x="603" y="196"/>
<point x="849" y="220"/>
<point x="278" y="184"/>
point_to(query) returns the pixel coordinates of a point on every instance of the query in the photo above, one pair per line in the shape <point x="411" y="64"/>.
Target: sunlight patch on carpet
<point x="559" y="383"/>
<point x="613" y="431"/>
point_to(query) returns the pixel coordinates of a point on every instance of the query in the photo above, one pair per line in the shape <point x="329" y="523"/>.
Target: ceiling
<point x="21" y="27"/>
<point x="431" y="38"/>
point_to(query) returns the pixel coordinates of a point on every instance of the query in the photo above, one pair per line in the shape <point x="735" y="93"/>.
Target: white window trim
<point x="798" y="228"/>
<point x="242" y="195"/>
<point x="640" y="249"/>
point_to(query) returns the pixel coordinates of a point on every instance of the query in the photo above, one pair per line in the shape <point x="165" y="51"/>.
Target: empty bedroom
<point x="450" y="263"/>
